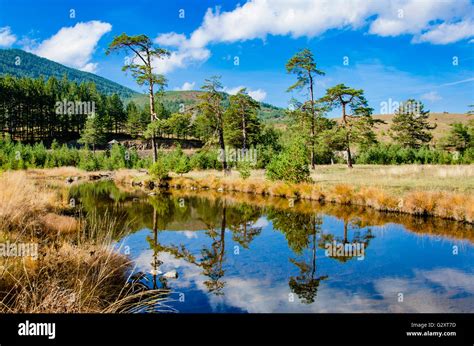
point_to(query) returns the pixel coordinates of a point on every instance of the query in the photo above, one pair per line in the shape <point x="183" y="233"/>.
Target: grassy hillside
<point x="173" y="99"/>
<point x="18" y="63"/>
<point x="442" y="121"/>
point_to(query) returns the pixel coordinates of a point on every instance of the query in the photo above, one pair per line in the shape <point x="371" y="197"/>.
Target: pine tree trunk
<point x="348" y="144"/>
<point x="313" y="115"/>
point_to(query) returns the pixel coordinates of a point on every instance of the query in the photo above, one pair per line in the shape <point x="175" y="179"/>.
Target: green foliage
<point x="410" y="127"/>
<point x="269" y="145"/>
<point x="357" y="125"/>
<point x="303" y="65"/>
<point x="37" y="109"/>
<point x="160" y="169"/>
<point x="290" y="165"/>
<point x="245" y="169"/>
<point x="182" y="166"/>
<point x="93" y="133"/>
<point x="390" y="154"/>
<point x="22" y="156"/>
<point x="460" y="137"/>
<point x="205" y="159"/>
<point x="137" y="120"/>
<point x="242" y="127"/>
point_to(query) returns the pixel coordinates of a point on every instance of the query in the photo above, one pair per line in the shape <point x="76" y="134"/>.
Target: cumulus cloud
<point x="257" y="94"/>
<point x="186" y="86"/>
<point x="448" y="33"/>
<point x="431" y="96"/>
<point x="182" y="56"/>
<point x="6" y="37"/>
<point x="74" y="46"/>
<point x="257" y="19"/>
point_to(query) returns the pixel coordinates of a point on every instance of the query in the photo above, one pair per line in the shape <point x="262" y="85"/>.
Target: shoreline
<point x="445" y="205"/>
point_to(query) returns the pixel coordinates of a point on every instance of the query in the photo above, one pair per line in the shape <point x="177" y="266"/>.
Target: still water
<point x="245" y="253"/>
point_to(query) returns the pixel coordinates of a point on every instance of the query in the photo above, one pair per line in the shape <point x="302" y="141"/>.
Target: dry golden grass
<point x="21" y="201"/>
<point x="75" y="269"/>
<point x="399" y="179"/>
<point x="59" y="223"/>
<point x="68" y="279"/>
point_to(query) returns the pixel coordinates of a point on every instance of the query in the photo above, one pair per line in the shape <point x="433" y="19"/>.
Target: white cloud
<point x="414" y="16"/>
<point x="6" y="37"/>
<point x="74" y="46"/>
<point x="183" y="56"/>
<point x="257" y="19"/>
<point x="448" y="33"/>
<point x="186" y="86"/>
<point x="432" y="96"/>
<point x="257" y="95"/>
<point x="171" y="39"/>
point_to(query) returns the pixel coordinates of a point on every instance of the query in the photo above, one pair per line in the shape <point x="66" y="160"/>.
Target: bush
<point x="159" y="170"/>
<point x="245" y="169"/>
<point x="291" y="165"/>
<point x="386" y="154"/>
<point x="182" y="165"/>
<point x="205" y="159"/>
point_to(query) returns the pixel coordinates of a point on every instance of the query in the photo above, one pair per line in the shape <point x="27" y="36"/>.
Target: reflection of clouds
<point x="189" y="234"/>
<point x="261" y="222"/>
<point x="451" y="279"/>
<point x="438" y="290"/>
<point x="418" y="293"/>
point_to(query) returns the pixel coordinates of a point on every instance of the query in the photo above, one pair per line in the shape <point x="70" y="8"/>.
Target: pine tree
<point x="142" y="68"/>
<point x="242" y="123"/>
<point x="355" y="127"/>
<point x="410" y="127"/>
<point x="304" y="66"/>
<point x="93" y="133"/>
<point x="212" y="108"/>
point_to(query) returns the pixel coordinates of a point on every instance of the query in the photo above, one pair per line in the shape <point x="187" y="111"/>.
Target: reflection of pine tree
<point x="242" y="226"/>
<point x="306" y="284"/>
<point x="212" y="259"/>
<point x="156" y="247"/>
<point x="358" y="237"/>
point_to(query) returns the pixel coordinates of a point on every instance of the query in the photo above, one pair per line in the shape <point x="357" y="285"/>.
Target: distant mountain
<point x="33" y="66"/>
<point x="18" y="63"/>
<point x="173" y="99"/>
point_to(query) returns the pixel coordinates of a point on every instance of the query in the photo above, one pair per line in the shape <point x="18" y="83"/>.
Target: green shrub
<point x="159" y="170"/>
<point x="290" y="165"/>
<point x="245" y="169"/>
<point x="205" y="159"/>
<point x="182" y="166"/>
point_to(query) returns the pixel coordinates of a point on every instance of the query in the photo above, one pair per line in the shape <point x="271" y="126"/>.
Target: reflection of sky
<point x="420" y="267"/>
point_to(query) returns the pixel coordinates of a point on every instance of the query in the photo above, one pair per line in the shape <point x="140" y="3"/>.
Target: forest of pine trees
<point x="34" y="110"/>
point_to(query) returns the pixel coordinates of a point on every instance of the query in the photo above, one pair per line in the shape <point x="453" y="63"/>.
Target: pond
<point x="245" y="253"/>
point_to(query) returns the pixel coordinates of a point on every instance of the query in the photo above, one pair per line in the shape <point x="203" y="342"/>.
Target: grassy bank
<point x="70" y="265"/>
<point x="442" y="191"/>
<point x="428" y="190"/>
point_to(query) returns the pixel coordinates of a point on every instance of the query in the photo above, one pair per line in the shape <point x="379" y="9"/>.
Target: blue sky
<point x="393" y="49"/>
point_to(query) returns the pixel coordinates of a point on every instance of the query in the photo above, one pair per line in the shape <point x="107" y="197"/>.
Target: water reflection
<point x="246" y="253"/>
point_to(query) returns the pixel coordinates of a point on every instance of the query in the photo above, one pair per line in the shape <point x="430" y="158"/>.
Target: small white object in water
<point x="171" y="274"/>
<point x="155" y="272"/>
